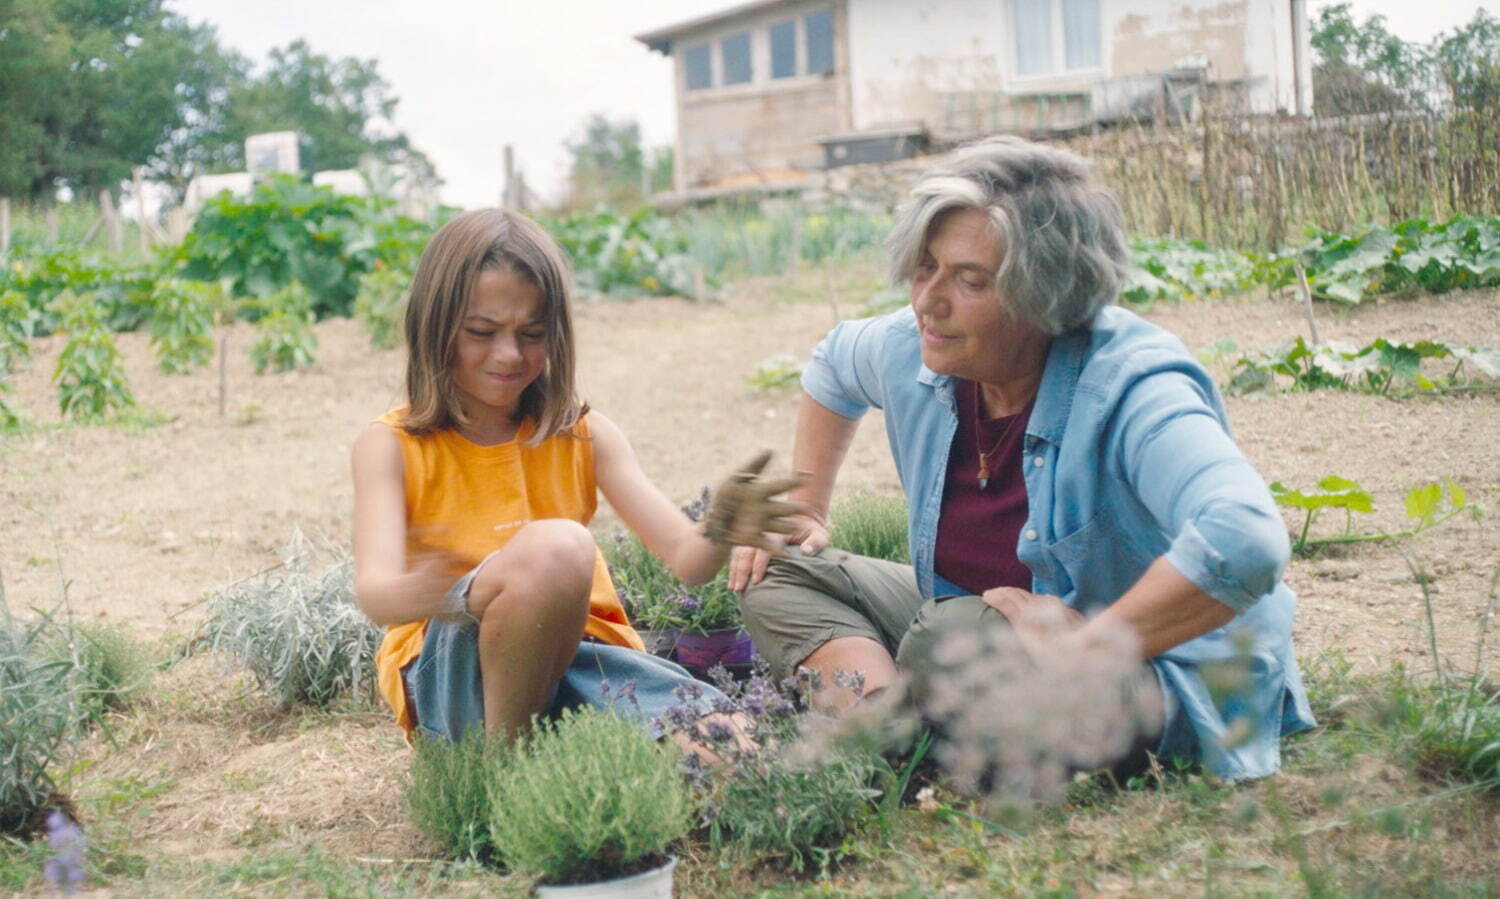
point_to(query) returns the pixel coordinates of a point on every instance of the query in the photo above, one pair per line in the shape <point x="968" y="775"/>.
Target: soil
<point x="134" y="523"/>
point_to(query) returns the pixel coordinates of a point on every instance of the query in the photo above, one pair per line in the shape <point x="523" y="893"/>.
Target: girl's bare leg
<point x="532" y="601"/>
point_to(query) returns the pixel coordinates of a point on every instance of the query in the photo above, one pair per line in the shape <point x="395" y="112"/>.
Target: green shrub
<point x="301" y="635"/>
<point x="774" y="373"/>
<point x="38" y="710"/>
<point x="286" y="231"/>
<point x="286" y="338"/>
<point x="90" y="375"/>
<point x="1454" y="730"/>
<point x="381" y="305"/>
<point x="182" y="324"/>
<point x="447" y="793"/>
<point x="586" y="797"/>
<point x="870" y="525"/>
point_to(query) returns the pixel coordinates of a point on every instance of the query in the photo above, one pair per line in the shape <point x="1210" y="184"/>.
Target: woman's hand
<point x="1041" y="621"/>
<point x="747" y="564"/>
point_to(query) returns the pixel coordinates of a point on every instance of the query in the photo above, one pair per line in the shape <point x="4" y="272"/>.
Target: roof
<point x="660" y="39"/>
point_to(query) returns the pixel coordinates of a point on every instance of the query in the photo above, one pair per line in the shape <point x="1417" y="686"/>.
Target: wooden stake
<point x="111" y="220"/>
<point x="1307" y="303"/>
<point x="223" y="367"/>
<point x="139" y="176"/>
<point x="4" y="224"/>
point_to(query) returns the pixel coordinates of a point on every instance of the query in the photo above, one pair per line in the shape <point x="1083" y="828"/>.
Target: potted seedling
<point x="590" y="805"/>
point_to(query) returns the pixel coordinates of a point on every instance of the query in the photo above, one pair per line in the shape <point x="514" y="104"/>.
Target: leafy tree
<point x="608" y="163"/>
<point x="343" y="106"/>
<point x="1362" y="67"/>
<point x="1469" y="62"/>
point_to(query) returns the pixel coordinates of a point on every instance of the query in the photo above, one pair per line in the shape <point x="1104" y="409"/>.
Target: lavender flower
<point x="64" y="870"/>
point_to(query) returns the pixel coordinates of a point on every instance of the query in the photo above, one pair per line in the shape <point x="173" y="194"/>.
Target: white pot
<point x="653" y="884"/>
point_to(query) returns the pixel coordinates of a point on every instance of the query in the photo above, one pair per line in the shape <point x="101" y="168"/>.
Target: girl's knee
<point x="557" y="547"/>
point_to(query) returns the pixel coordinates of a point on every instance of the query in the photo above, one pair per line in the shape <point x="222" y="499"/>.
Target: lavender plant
<point x="585" y="797"/>
<point x="65" y="869"/>
<point x="447" y="793"/>
<point x="110" y="669"/>
<point x="1013" y="730"/>
<point x="300" y="634"/>
<point x="774" y="801"/>
<point x="656" y="599"/>
<point x="39" y="708"/>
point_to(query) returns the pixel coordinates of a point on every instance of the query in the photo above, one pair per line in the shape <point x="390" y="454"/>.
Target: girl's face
<point x="502" y="344"/>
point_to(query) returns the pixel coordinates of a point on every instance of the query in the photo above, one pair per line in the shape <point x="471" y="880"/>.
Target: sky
<point x="475" y="75"/>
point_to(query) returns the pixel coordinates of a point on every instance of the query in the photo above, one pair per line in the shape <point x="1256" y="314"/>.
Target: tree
<point x="344" y="107"/>
<point x="1363" y="68"/>
<point x="610" y="166"/>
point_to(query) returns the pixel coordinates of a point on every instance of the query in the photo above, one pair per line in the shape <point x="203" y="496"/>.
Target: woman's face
<point x="502" y="343"/>
<point x="967" y="330"/>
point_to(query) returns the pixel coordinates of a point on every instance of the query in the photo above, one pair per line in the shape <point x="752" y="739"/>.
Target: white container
<point x="653" y="884"/>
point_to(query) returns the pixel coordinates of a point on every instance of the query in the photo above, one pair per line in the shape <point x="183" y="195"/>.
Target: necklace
<point x="984" y="457"/>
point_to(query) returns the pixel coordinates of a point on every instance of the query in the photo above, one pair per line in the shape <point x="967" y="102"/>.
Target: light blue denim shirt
<point x="1127" y="458"/>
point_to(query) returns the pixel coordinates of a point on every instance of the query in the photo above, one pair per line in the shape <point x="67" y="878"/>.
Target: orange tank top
<point x="469" y="500"/>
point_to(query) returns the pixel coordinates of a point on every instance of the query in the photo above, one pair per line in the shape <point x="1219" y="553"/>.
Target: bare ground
<point x="134" y="524"/>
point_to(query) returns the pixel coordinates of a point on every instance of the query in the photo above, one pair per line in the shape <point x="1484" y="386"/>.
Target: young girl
<point x="470" y="503"/>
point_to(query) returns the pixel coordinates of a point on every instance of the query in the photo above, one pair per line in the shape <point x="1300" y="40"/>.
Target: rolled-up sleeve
<point x="1227" y="536"/>
<point x="843" y="373"/>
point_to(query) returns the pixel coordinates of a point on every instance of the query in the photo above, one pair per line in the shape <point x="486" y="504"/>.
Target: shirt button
<point x="1031" y="534"/>
<point x="1038" y="461"/>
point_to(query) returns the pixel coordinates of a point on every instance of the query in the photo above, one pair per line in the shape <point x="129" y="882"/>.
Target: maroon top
<point x="978" y="528"/>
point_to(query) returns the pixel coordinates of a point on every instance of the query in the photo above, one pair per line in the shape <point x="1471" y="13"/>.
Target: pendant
<point x="983" y="483"/>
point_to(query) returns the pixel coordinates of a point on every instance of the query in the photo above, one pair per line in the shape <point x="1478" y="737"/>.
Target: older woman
<point x="1068" y="469"/>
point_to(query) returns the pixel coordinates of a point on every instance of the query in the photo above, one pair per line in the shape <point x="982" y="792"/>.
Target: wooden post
<point x="51" y="218"/>
<point x="4" y="224"/>
<point x="1307" y="306"/>
<point x="111" y="220"/>
<point x="138" y="175"/>
<point x="508" y="191"/>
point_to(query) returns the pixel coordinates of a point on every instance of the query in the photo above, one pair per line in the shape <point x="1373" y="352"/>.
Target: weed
<point x="1424" y="503"/>
<point x="775" y="373"/>
<point x="301" y="635"/>
<point x="112" y="670"/>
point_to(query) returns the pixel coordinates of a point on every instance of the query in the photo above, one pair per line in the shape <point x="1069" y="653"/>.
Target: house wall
<point x="950" y="64"/>
<point x="765" y="129"/>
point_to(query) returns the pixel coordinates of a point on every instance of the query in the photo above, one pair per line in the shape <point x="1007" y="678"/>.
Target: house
<point x="772" y="90"/>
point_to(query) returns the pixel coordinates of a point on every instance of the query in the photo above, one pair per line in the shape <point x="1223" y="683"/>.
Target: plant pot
<point x="660" y="642"/>
<point x="653" y="884"/>
<point x="699" y="652"/>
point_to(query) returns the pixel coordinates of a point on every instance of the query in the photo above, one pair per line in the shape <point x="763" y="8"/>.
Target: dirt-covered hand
<point x="743" y="511"/>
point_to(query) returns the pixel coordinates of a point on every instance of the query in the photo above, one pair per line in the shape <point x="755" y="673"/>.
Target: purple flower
<point x="64" y="870"/>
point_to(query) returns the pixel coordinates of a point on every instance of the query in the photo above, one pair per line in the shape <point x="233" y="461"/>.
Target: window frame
<point x="761" y="53"/>
<point x="1057" y="45"/>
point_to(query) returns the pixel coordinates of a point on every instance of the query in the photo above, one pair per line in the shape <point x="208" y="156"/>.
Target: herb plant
<point x="587" y="797"/>
<point x="90" y="375"/>
<point x="300" y="634"/>
<point x="110" y="669"/>
<point x="286" y="338"/>
<point x="447" y="792"/>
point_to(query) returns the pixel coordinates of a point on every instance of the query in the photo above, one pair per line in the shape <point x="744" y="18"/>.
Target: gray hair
<point x="1060" y="232"/>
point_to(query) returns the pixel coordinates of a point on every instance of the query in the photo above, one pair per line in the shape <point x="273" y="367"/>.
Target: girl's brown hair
<point x="477" y="241"/>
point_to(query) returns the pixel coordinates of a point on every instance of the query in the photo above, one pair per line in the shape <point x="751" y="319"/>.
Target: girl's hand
<point x="747" y="564"/>
<point x="743" y="512"/>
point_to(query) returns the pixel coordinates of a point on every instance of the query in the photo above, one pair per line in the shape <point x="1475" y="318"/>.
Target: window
<point x="784" y="49"/>
<point x="819" y="28"/>
<point x="1047" y="31"/>
<point x="735" y="51"/>
<point x="698" y="67"/>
